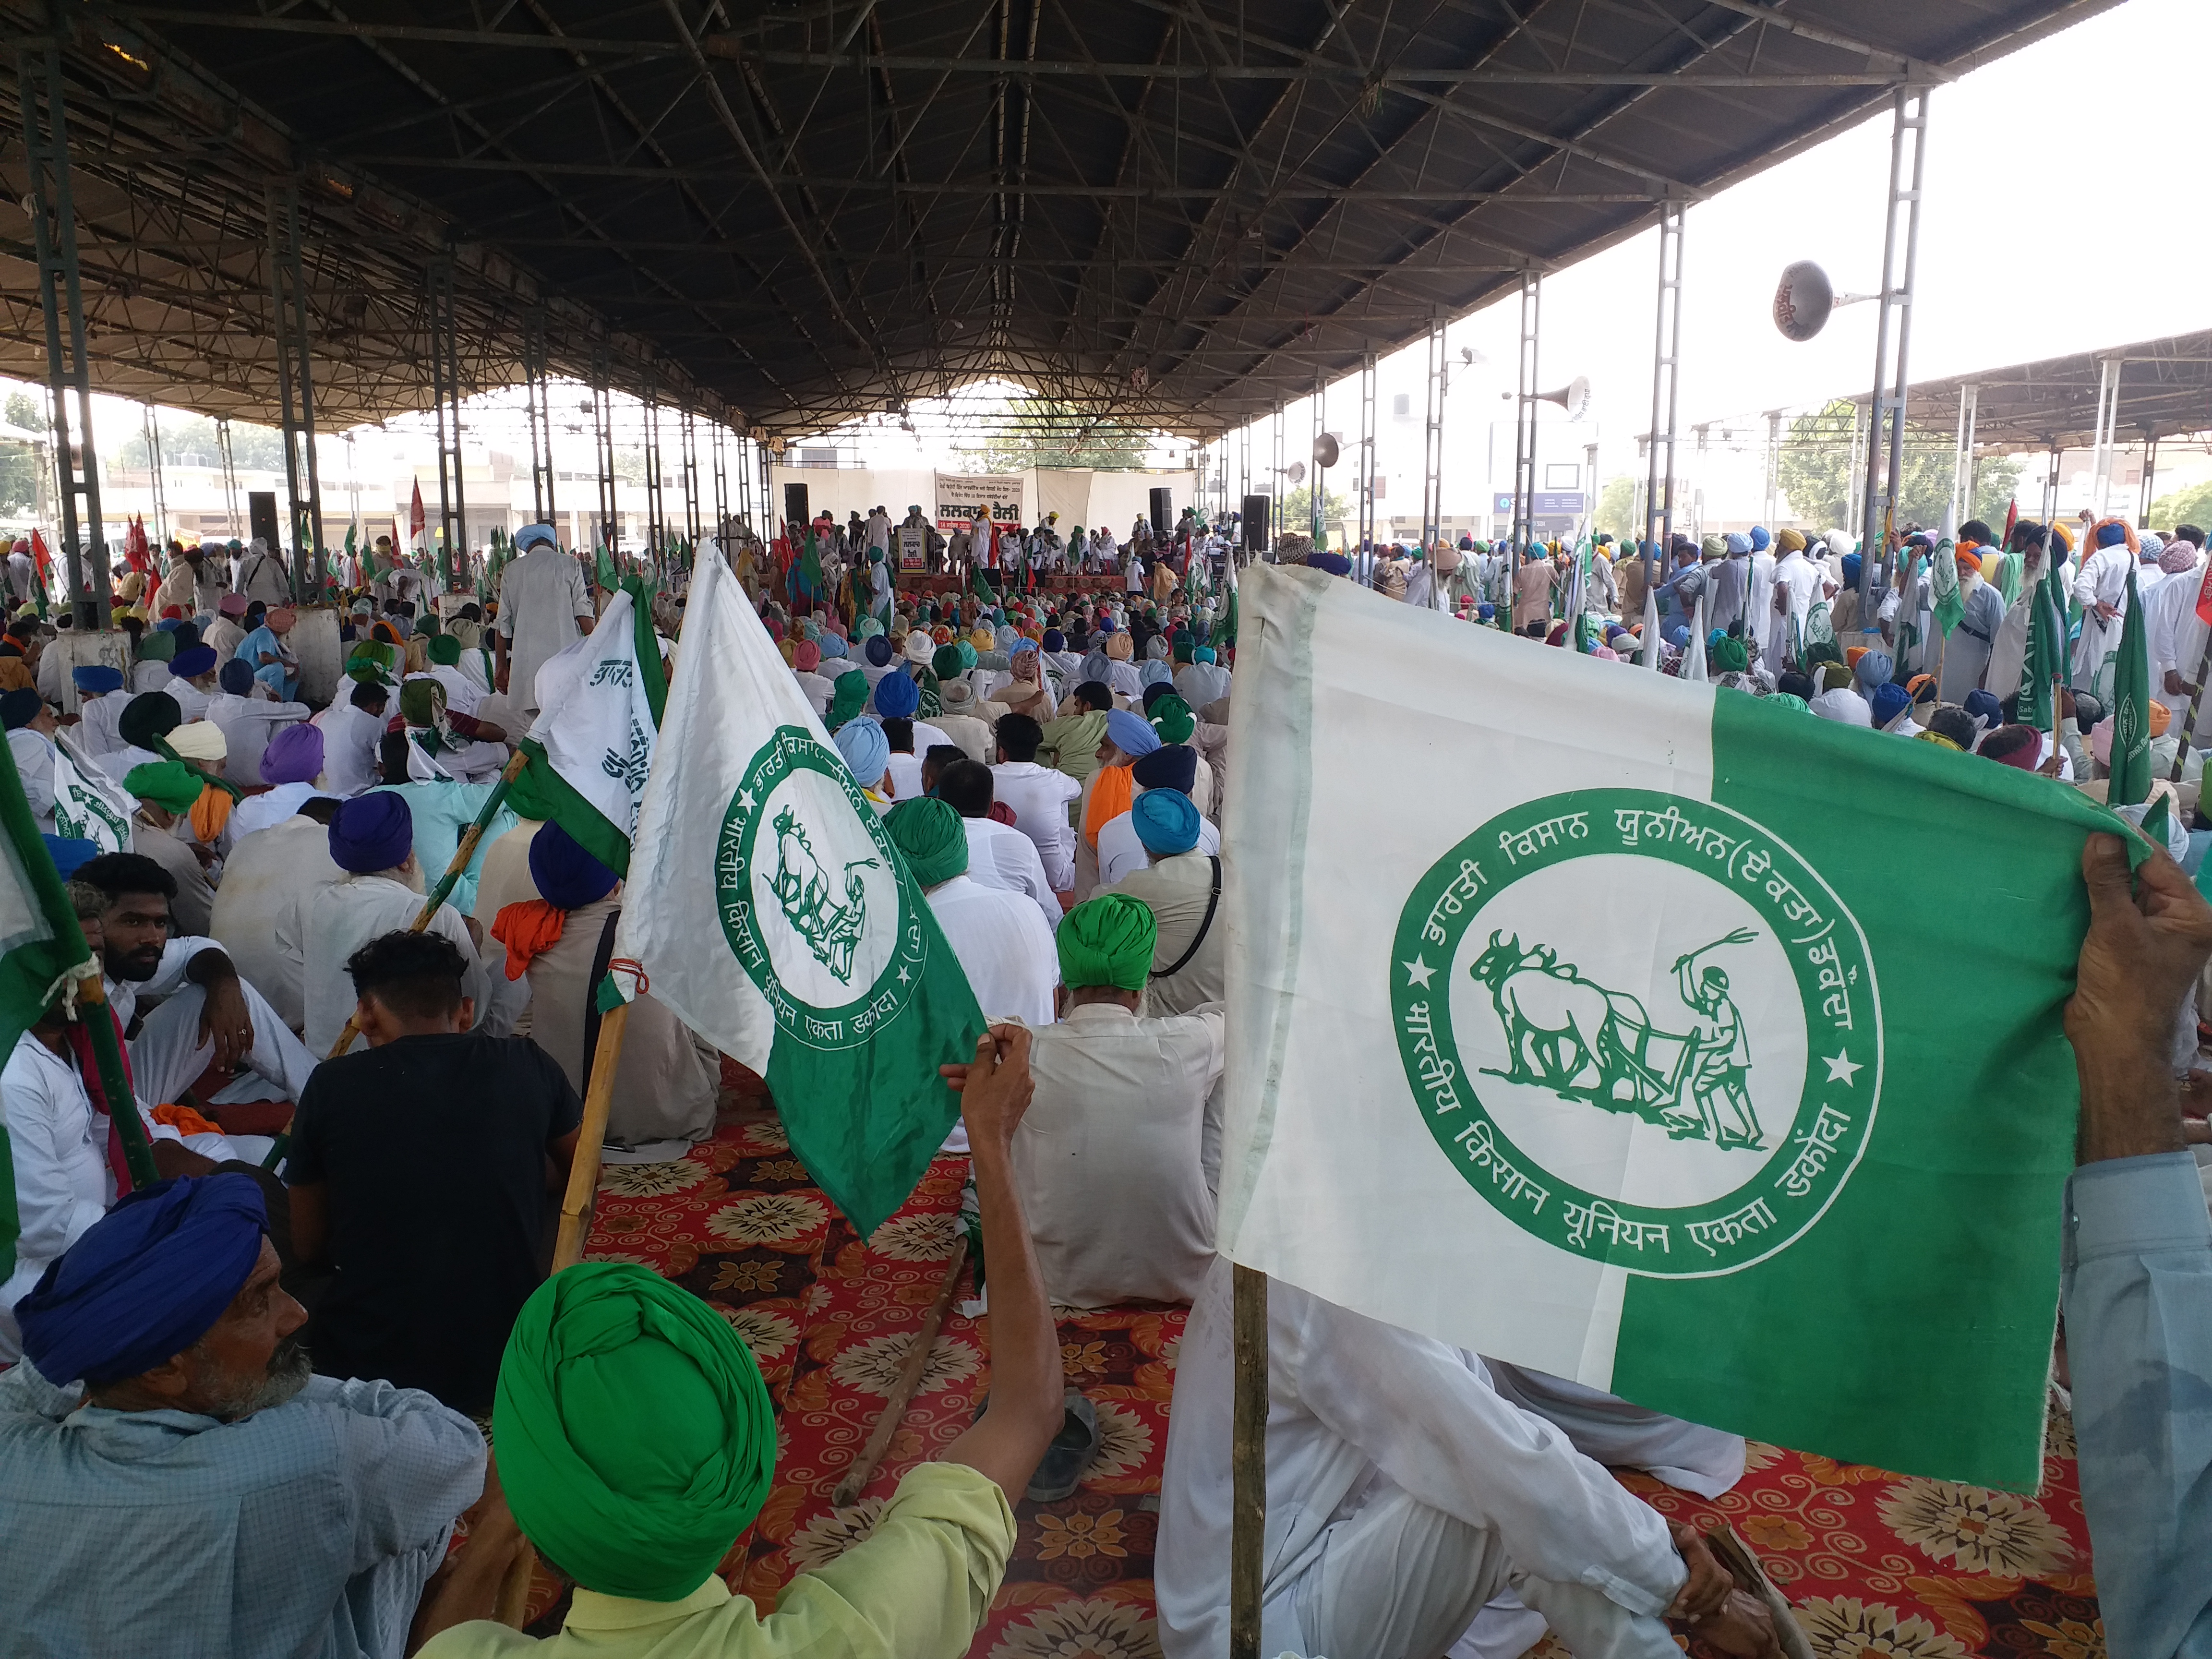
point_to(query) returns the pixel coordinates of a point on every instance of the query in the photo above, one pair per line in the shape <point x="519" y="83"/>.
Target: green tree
<point x="1616" y="510"/>
<point x="1814" y="468"/>
<point x="194" y="440"/>
<point x="20" y="463"/>
<point x="1048" y="433"/>
<point x="1297" y="512"/>
<point x="2192" y="505"/>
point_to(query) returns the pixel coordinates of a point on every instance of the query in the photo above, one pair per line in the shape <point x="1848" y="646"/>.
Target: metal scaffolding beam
<point x="1886" y="437"/>
<point x="656" y="519"/>
<point x="288" y="296"/>
<point x="1658" y="526"/>
<point x="157" y="495"/>
<point x="1524" y="420"/>
<point x="1365" y="472"/>
<point x="538" y="409"/>
<point x="446" y="380"/>
<point x="720" y="448"/>
<point x="230" y="477"/>
<point x="690" y="463"/>
<point x="1432" y="453"/>
<point x="603" y="451"/>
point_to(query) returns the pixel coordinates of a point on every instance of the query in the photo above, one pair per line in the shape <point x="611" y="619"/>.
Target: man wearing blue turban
<point x="167" y="1420"/>
<point x="1172" y="769"/>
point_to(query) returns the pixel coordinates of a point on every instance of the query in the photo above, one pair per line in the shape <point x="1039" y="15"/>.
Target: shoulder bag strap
<point x="1205" y="926"/>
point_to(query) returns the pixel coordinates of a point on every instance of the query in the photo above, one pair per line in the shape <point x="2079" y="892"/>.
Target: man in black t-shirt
<point x="419" y="1172"/>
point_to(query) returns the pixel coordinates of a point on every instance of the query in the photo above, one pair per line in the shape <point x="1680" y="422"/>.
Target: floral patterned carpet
<point x="1877" y="1565"/>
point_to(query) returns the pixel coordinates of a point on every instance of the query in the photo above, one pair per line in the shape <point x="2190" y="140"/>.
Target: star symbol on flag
<point x="1841" y="1067"/>
<point x="745" y="801"/>
<point x="1418" y="972"/>
<point x="905" y="978"/>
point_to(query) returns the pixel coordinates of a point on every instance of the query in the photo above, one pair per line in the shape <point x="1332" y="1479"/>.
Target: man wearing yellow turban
<point x="636" y="1441"/>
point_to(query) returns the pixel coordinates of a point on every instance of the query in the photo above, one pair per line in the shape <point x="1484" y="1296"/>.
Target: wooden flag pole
<point x="591" y="1139"/>
<point x="1247" y="1462"/>
<point x="909" y="1379"/>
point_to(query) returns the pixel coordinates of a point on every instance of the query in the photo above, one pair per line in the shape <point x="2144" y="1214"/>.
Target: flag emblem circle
<point x="1640" y="1026"/>
<point x="817" y="907"/>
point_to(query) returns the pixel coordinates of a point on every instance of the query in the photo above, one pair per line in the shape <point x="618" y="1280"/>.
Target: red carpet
<point x="1879" y="1566"/>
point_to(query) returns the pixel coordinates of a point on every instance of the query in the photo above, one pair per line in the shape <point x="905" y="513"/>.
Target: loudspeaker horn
<point x="1295" y="473"/>
<point x="1803" y="299"/>
<point x="1574" y="396"/>
<point x="1325" y="450"/>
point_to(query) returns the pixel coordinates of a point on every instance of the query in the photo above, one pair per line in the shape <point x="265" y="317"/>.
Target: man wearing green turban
<point x="636" y="1441"/>
<point x="999" y="939"/>
<point x="1173" y="720"/>
<point x="849" y="695"/>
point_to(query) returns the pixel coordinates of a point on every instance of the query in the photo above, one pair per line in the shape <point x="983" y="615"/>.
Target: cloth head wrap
<point x="567" y="876"/>
<point x="145" y="1281"/>
<point x="920" y="647"/>
<point x="1172" y="766"/>
<point x="1731" y="656"/>
<point x="932" y="837"/>
<point x="2111" y="535"/>
<point x="69" y="855"/>
<point x="294" y="756"/>
<point x="861" y="741"/>
<point x="966" y="650"/>
<point x="1173" y="720"/>
<point x="1714" y="547"/>
<point x="1852" y="562"/>
<point x="1119" y="648"/>
<point x="1153" y="693"/>
<point x="1791" y="541"/>
<point x="1108" y="941"/>
<point x="19" y="707"/>
<point x="1097" y="667"/>
<point x="868" y="628"/>
<point x="530" y="534"/>
<point x="1873" y="670"/>
<point x="158" y="647"/>
<point x="1759" y="538"/>
<point x="1737" y="543"/>
<point x="1985" y="707"/>
<point x="1165" y="820"/>
<point x="1888" y="701"/>
<point x="1833" y="675"/>
<point x="1844" y="705"/>
<point x="877" y="651"/>
<point x="165" y="784"/>
<point x="833" y="647"/>
<point x="1206" y="654"/>
<point x="236" y="676"/>
<point x="1131" y="735"/>
<point x="96" y="677"/>
<point x="1184" y="650"/>
<point x="946" y="662"/>
<point x="148" y="717"/>
<point x="231" y="605"/>
<point x="1055" y="640"/>
<point x="2176" y="557"/>
<point x="445" y="650"/>
<point x="1154" y="673"/>
<point x="629" y="1500"/>
<point x="190" y="664"/>
<point x="848" y="697"/>
<point x="897" y="697"/>
<point x="806" y="656"/>
<point x="372" y="832"/>
<point x="199" y="740"/>
<point x="1789" y="700"/>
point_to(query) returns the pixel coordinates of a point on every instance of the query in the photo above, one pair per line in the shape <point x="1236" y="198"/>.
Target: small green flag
<point x="604" y="568"/>
<point x="2045" y="664"/>
<point x="2131" y="767"/>
<point x="1945" y="599"/>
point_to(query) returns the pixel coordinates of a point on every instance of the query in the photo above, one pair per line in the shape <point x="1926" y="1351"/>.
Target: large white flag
<point x="592" y="748"/>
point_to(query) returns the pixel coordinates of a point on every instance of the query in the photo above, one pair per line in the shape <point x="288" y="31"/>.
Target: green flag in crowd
<point x="2130" y="764"/>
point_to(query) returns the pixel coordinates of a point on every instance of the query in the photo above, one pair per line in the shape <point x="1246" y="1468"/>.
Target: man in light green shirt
<point x="635" y="1441"/>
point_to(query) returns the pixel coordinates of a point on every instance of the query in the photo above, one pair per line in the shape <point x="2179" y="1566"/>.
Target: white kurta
<point x="541" y="595"/>
<point x="1038" y="797"/>
<point x="2173" y="635"/>
<point x="248" y="724"/>
<point x="351" y="737"/>
<point x="1797" y="581"/>
<point x="1402" y="1490"/>
<point x="1118" y="1155"/>
<point x="97" y="716"/>
<point x="34" y="753"/>
<point x="346" y="916"/>
<point x="1003" y="946"/>
<point x="2102" y="579"/>
<point x="1967" y="652"/>
<point x="1003" y="857"/>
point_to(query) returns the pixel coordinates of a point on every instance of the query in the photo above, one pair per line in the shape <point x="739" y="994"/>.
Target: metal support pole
<point x="445" y="382"/>
<point x="1524" y="419"/>
<point x="1366" y="466"/>
<point x="61" y="297"/>
<point x="1243" y="467"/>
<point x="1658" y="519"/>
<point x="602" y="441"/>
<point x="288" y="296"/>
<point x="1773" y="469"/>
<point x="1277" y="487"/>
<point x="1962" y="458"/>
<point x="745" y="470"/>
<point x="690" y="442"/>
<point x="656" y="520"/>
<point x="538" y="405"/>
<point x="2108" y="410"/>
<point x="2050" y="491"/>
<point x="157" y="497"/>
<point x="2149" y="473"/>
<point x="1314" y="494"/>
<point x="230" y="477"/>
<point x="1432" y="442"/>
<point x="1854" y="504"/>
<point x="353" y="488"/>
<point x="1892" y="339"/>
<point x="769" y="509"/>
<point x="722" y="481"/>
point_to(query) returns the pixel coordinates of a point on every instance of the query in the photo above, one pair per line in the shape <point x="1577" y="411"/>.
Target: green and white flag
<point x="2130" y="769"/>
<point x="592" y="748"/>
<point x="87" y="805"/>
<point x="1614" y="1051"/>
<point x="1945" y="602"/>
<point x="770" y="910"/>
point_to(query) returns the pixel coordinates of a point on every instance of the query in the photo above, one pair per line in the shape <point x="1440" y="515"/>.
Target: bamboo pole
<point x="1248" y="1463"/>
<point x="894" y="1410"/>
<point x="591" y="1139"/>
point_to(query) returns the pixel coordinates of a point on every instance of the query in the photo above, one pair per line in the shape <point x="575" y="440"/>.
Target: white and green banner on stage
<point x="770" y="910"/>
<point x="592" y="747"/>
<point x="1649" y="1036"/>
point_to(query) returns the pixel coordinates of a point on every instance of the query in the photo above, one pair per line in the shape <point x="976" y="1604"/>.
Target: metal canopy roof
<point x="1174" y="211"/>
<point x="2165" y="388"/>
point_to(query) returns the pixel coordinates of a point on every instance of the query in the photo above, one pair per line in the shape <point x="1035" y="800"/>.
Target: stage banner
<point x="913" y="548"/>
<point x="961" y="495"/>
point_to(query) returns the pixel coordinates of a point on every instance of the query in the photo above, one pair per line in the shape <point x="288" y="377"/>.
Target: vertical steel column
<point x="1524" y="422"/>
<point x="656" y="520"/>
<point x="1314" y="493"/>
<point x="769" y="509"/>
<point x="721" y="482"/>
<point x="157" y="497"/>
<point x="1277" y="488"/>
<point x="2149" y="473"/>
<point x="690" y="458"/>
<point x="538" y="407"/>
<point x="1432" y="440"/>
<point x="1962" y="457"/>
<point x="1855" y="506"/>
<point x="1365" y="472"/>
<point x="1886" y="433"/>
<point x="230" y="475"/>
<point x="1773" y="468"/>
<point x="746" y="467"/>
<point x="1657" y="524"/>
<point x="2050" y="491"/>
<point x="295" y="386"/>
<point x="445" y="382"/>
<point x="2100" y="461"/>
<point x="1243" y="469"/>
<point x="353" y="488"/>
<point x="603" y="444"/>
<point x="61" y="297"/>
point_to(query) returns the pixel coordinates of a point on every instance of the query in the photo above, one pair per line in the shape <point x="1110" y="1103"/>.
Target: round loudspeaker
<point x="1325" y="450"/>
<point x="1802" y="299"/>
